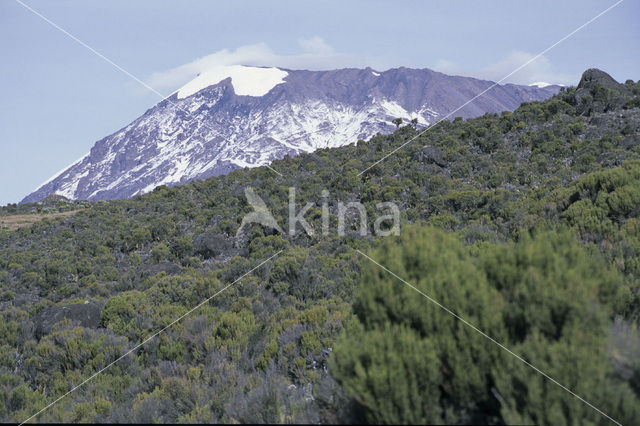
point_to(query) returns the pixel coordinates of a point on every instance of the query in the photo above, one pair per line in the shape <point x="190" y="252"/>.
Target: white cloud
<point x="536" y="71"/>
<point x="316" y="55"/>
<point x="316" y="45"/>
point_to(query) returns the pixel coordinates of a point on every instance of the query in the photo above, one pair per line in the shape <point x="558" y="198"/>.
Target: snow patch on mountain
<point x="52" y="178"/>
<point x="70" y="190"/>
<point x="540" y="84"/>
<point x="395" y="110"/>
<point x="246" y="81"/>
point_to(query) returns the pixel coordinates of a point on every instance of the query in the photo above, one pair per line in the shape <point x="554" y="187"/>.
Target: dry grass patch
<point x="21" y="220"/>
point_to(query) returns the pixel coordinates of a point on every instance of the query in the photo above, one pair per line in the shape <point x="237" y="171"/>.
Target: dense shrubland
<point x="526" y="224"/>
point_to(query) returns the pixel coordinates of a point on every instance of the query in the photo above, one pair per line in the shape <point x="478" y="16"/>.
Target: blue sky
<point x="58" y="98"/>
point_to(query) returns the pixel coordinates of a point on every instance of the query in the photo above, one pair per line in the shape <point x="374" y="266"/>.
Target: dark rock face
<point x="82" y="314"/>
<point x="598" y="92"/>
<point x="214" y="130"/>
<point x="594" y="78"/>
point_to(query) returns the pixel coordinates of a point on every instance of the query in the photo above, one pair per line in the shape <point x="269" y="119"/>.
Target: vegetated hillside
<point x="527" y="224"/>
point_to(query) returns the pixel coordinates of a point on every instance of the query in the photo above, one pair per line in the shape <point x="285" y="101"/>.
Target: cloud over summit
<point x="316" y="55"/>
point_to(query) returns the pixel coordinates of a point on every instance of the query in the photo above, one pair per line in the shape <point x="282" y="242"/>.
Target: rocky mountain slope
<point x="240" y="116"/>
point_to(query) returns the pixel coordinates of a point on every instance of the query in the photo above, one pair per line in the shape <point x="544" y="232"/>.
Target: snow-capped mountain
<point x="240" y="116"/>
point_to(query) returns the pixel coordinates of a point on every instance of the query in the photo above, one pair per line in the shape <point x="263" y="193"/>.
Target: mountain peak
<point x="246" y="81"/>
<point x="594" y="77"/>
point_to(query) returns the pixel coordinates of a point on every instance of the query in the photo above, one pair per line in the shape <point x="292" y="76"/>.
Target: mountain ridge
<point x="215" y="130"/>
